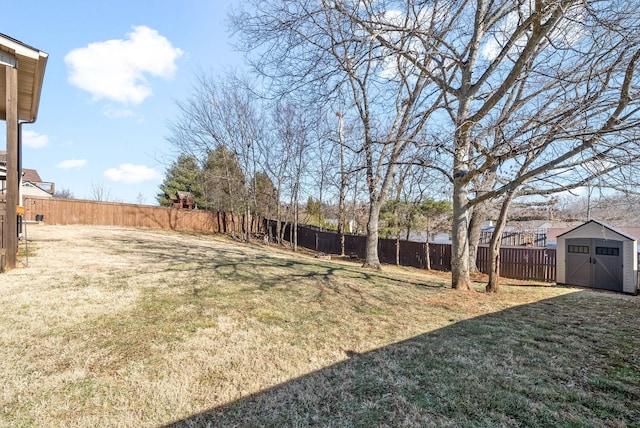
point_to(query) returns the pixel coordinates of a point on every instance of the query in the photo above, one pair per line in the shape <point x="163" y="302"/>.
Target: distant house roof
<point x="30" y="189"/>
<point x="28" y="176"/>
<point x="31" y="64"/>
<point x="31" y="175"/>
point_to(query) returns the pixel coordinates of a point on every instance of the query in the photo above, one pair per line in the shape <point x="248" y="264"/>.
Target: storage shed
<point x="596" y="255"/>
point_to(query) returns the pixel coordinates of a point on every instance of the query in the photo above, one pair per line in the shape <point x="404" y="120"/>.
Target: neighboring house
<point x="32" y="184"/>
<point x="183" y="199"/>
<point x="34" y="191"/>
<point x="349" y="224"/>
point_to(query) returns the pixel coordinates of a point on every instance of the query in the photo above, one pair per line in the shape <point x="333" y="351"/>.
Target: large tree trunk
<point x="371" y="254"/>
<point x="233" y="224"/>
<point x="278" y="237"/>
<point x="427" y="256"/>
<point x="294" y="232"/>
<point x="478" y="217"/>
<point x="342" y="210"/>
<point x="460" y="279"/>
<point x="247" y="222"/>
<point x="493" y="286"/>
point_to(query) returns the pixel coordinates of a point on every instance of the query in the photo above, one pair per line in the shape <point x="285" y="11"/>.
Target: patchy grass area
<point x="123" y="327"/>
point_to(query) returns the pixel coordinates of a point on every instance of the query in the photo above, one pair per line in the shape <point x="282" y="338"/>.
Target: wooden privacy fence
<point x="518" y="263"/>
<point x="521" y="263"/>
<point x="74" y="211"/>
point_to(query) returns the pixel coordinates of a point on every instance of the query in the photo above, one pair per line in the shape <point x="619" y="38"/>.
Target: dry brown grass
<point x="123" y="327"/>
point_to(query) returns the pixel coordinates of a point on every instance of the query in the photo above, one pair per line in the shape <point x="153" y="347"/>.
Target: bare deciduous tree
<point x="318" y="47"/>
<point x="294" y="132"/>
<point x="576" y="57"/>
<point x="222" y="113"/>
<point x="100" y="192"/>
<point x="63" y="193"/>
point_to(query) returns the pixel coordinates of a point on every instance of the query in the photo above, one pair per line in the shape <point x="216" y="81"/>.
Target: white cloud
<point x="121" y="113"/>
<point x="568" y="31"/>
<point x="34" y="140"/>
<point x="499" y="39"/>
<point x="117" y="69"/>
<point x="128" y="173"/>
<point x="72" y="163"/>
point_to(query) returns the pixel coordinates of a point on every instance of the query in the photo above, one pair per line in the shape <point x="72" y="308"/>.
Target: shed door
<point x="608" y="270"/>
<point x="595" y="263"/>
<point x="578" y="255"/>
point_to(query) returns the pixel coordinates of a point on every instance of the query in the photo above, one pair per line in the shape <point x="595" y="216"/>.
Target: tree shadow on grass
<point x="243" y="262"/>
<point x="572" y="360"/>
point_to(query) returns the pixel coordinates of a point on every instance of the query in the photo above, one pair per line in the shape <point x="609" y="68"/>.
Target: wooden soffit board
<point x="31" y="64"/>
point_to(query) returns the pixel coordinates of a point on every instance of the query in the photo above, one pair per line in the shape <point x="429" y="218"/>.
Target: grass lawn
<point x="129" y="328"/>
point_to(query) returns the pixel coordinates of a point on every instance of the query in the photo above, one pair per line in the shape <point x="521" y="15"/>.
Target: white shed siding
<point x="629" y="284"/>
<point x="561" y="260"/>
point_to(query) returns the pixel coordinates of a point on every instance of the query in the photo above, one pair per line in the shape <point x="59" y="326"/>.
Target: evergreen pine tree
<point x="183" y="175"/>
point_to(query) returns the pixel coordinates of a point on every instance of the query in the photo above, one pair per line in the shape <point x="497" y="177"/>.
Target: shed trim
<point x="603" y="225"/>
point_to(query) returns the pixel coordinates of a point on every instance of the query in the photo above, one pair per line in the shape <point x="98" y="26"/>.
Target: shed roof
<point x="603" y="225"/>
<point x="31" y="64"/>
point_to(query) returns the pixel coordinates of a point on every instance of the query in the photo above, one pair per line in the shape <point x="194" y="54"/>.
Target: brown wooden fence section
<point x="74" y="211"/>
<point x="522" y="263"/>
<point x="518" y="263"/>
<point x="409" y="253"/>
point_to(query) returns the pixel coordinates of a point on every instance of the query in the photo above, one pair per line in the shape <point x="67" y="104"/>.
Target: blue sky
<point x="114" y="73"/>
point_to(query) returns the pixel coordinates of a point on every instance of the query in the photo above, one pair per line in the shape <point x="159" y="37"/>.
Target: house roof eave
<point x="31" y="64"/>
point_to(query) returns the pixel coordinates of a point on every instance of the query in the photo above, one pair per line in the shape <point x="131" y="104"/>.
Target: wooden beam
<point x="10" y="229"/>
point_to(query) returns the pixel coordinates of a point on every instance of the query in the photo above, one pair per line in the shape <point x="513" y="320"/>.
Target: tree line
<point x="481" y="103"/>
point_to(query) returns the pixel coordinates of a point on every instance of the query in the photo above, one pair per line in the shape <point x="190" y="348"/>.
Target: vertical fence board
<point x="413" y="254"/>
<point x="440" y="256"/>
<point x="387" y="251"/>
